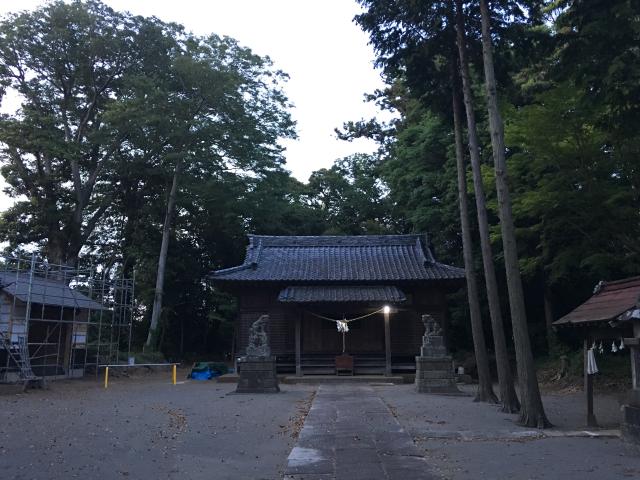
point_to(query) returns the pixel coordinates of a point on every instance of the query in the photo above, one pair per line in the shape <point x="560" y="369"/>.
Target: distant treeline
<point x="116" y="109"/>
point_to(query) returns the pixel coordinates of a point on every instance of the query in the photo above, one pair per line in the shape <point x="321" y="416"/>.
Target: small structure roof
<point x="363" y="258"/>
<point x="341" y="293"/>
<point x="610" y="300"/>
<point x="44" y="291"/>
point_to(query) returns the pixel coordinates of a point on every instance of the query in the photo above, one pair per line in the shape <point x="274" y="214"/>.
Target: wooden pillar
<point x="298" y="344"/>
<point x="634" y="352"/>
<point x="387" y="344"/>
<point x="548" y="316"/>
<point x="588" y="388"/>
<point x="68" y="339"/>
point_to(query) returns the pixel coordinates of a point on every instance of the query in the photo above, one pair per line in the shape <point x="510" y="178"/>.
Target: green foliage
<point x="597" y="48"/>
<point x="568" y="74"/>
<point x="420" y="172"/>
<point x="111" y="105"/>
<point x="577" y="215"/>
<point x="68" y="63"/>
<point x="146" y="357"/>
<point x="350" y="197"/>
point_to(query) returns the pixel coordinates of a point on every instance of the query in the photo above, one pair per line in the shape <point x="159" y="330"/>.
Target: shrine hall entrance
<point x="365" y="336"/>
<point x="372" y="348"/>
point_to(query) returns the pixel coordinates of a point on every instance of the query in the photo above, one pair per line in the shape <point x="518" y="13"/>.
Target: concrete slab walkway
<point x="351" y="434"/>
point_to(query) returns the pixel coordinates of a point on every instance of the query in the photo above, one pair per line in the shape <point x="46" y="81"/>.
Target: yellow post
<point x="173" y="376"/>
<point x="106" y="377"/>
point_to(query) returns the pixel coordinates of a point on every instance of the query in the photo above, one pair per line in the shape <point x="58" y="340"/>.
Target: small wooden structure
<point x="598" y="320"/>
<point x="631" y="411"/>
<point x="344" y="364"/>
<point x="307" y="283"/>
<point x="49" y="316"/>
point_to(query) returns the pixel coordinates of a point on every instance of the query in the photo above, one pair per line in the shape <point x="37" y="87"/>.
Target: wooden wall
<point x="321" y="336"/>
<point x="54" y="345"/>
<point x="256" y="302"/>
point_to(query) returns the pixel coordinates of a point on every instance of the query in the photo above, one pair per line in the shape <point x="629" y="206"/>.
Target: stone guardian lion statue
<point x="258" y="338"/>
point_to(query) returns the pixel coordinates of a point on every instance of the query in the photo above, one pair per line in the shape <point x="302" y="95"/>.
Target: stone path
<point x="351" y="434"/>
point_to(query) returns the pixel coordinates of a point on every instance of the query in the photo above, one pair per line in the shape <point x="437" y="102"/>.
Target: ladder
<point x="19" y="353"/>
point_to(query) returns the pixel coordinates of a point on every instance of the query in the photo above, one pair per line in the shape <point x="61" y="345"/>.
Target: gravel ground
<point x="463" y="440"/>
<point x="145" y="427"/>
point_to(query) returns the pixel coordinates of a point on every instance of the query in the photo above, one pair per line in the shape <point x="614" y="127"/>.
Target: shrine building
<point x="379" y="285"/>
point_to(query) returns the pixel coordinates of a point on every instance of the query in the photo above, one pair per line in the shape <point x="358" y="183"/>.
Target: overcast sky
<point x="315" y="42"/>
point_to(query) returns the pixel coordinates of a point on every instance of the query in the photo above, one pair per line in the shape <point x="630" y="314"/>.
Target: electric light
<point x="386" y="309"/>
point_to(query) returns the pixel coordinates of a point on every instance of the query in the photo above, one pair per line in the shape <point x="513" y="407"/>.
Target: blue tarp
<point x="206" y="375"/>
<point x="207" y="370"/>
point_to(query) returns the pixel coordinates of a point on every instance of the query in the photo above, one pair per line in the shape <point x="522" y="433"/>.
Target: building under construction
<point x="60" y="322"/>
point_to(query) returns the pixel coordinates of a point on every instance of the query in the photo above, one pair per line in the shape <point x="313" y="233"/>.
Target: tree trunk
<point x="181" y="338"/>
<point x="132" y="202"/>
<point x="532" y="412"/>
<point x="548" y="318"/>
<point x="162" y="261"/>
<point x="485" y="387"/>
<point x="508" y="396"/>
<point x="56" y="248"/>
<point x="63" y="245"/>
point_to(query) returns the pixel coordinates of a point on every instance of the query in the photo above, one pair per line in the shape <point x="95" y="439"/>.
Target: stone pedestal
<point x="435" y="375"/>
<point x="434" y="368"/>
<point x="257" y="375"/>
<point x="630" y="427"/>
<point x="433" y="346"/>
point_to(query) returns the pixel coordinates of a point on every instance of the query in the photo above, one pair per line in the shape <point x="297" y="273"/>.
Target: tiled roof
<point x="342" y="293"/>
<point x="610" y="300"/>
<point x="365" y="258"/>
<point x="44" y="291"/>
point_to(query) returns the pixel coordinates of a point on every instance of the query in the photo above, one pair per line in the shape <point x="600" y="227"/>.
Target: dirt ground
<point x="463" y="440"/>
<point x="145" y="427"/>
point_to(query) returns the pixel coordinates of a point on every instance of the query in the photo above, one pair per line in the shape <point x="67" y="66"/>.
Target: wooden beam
<point x="298" y="342"/>
<point x="588" y="388"/>
<point x="387" y="345"/>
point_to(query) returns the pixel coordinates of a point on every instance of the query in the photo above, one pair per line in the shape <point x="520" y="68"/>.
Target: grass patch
<point x="147" y="357"/>
<point x="614" y="371"/>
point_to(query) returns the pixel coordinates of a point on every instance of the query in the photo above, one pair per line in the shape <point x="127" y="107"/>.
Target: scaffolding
<point x="65" y="321"/>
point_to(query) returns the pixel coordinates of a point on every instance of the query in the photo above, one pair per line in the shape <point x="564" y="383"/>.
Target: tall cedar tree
<point x="532" y="412"/>
<point x="411" y="38"/>
<point x="508" y="396"/>
<point x="485" y="385"/>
